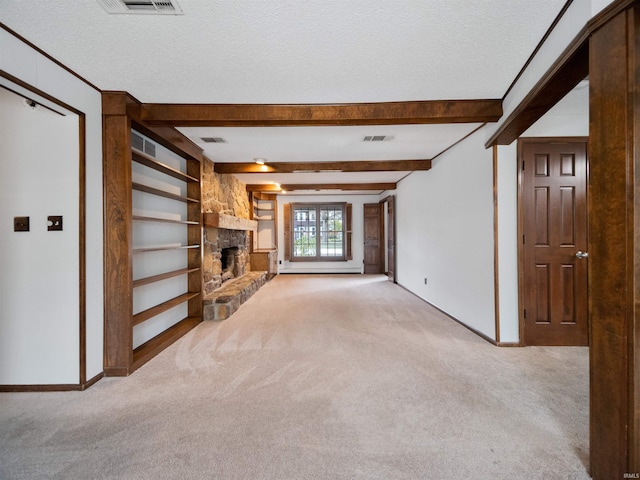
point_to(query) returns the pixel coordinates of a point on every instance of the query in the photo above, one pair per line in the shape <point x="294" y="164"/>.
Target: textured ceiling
<point x="292" y="51"/>
<point x="298" y="51"/>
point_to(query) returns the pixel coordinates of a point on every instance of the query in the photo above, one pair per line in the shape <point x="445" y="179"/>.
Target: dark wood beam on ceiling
<point x="560" y="79"/>
<point x="315" y="167"/>
<point x="321" y="186"/>
<point x="383" y="113"/>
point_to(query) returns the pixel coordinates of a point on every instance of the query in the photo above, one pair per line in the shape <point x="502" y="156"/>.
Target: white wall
<point x="39" y="315"/>
<point x="357" y="239"/>
<point x="569" y="118"/>
<point x="445" y="234"/>
<point x="29" y="66"/>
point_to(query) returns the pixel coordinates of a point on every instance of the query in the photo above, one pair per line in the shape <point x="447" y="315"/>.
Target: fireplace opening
<point x="229" y="264"/>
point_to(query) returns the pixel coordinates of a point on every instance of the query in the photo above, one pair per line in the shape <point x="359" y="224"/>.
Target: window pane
<point x="304" y="244"/>
<point x="331" y="244"/>
<point x="318" y="232"/>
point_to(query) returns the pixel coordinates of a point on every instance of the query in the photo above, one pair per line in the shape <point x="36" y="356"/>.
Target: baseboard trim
<point x="63" y="387"/>
<point x="510" y="344"/>
<point x="93" y="381"/>
<point x="471" y="329"/>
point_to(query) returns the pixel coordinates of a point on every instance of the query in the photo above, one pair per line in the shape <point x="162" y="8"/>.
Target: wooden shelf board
<point x="163" y="276"/>
<point x="151" y="162"/>
<point x="151" y="348"/>
<point x="163" y="307"/>
<point x="164" y="220"/>
<point x="161" y="193"/>
<point x="219" y="220"/>
<point x="157" y="249"/>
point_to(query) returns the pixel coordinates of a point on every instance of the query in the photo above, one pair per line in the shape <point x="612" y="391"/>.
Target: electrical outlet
<point x="425" y="280"/>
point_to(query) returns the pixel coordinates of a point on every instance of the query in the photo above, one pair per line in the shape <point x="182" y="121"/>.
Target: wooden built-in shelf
<point x="163" y="276"/>
<point x="164" y="220"/>
<point x="151" y="162"/>
<point x="161" y="193"/>
<point x="131" y="221"/>
<point x="163" y="307"/>
<point x="150" y="348"/>
<point x="159" y="248"/>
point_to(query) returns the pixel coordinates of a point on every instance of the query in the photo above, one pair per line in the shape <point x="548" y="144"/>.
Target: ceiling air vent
<point x="143" y="145"/>
<point x="378" y="138"/>
<point x="161" y="7"/>
<point x="213" y="140"/>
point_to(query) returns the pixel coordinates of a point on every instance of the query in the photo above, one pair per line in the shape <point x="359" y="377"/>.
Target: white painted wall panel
<point x="445" y="233"/>
<point x="39" y="287"/>
<point x="21" y="61"/>
<point x="508" y="242"/>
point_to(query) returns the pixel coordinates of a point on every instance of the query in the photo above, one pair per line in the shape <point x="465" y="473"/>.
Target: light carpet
<point x="316" y="377"/>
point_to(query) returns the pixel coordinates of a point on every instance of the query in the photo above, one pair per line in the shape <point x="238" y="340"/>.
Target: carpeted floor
<point x="316" y="377"/>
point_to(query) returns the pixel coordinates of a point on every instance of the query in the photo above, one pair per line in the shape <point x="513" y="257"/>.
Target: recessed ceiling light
<point x="259" y="161"/>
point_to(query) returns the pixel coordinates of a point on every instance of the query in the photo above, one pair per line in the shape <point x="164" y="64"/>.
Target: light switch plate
<point x="20" y="224"/>
<point x="54" y="222"/>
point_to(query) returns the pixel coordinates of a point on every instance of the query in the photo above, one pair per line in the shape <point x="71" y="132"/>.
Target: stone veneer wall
<point x="222" y="193"/>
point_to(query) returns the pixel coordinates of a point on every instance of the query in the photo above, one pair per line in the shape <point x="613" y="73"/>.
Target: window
<point x="317" y="232"/>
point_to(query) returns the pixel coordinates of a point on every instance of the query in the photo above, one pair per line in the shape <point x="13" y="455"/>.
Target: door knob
<point x="580" y="254"/>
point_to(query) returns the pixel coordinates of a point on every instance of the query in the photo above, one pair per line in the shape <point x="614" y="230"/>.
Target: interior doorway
<point x="553" y="176"/>
<point x="388" y="252"/>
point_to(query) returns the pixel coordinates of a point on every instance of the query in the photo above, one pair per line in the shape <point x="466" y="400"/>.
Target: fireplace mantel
<point x="220" y="220"/>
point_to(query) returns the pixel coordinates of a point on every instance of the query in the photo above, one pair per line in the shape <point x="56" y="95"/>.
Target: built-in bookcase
<point x="153" y="234"/>
<point x="163" y="256"/>
<point x="264" y="212"/>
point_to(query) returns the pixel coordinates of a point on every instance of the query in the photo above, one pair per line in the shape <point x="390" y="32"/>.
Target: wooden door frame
<point x="521" y="267"/>
<point x="83" y="382"/>
<point x="384" y="223"/>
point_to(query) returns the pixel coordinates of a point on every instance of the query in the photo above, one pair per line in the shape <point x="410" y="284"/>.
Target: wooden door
<point x="554" y="225"/>
<point x="391" y="240"/>
<point x="372" y="235"/>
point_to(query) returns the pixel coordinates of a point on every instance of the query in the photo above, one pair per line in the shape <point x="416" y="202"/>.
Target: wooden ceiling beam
<point x="315" y="167"/>
<point x="321" y="186"/>
<point x="383" y="113"/>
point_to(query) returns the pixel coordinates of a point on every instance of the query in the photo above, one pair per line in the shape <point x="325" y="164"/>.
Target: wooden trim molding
<point x="298" y="167"/>
<point x="384" y="113"/>
<point x="614" y="246"/>
<point x="565" y="73"/>
<point x="320" y="186"/>
<point x="471" y="329"/>
<point x="560" y="79"/>
<point x="82" y="233"/>
<point x="496" y="250"/>
<point x="45" y="54"/>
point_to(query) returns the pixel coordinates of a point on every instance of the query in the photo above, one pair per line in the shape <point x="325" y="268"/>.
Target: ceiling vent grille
<point x="213" y="140"/>
<point x="157" y="7"/>
<point x="378" y="138"/>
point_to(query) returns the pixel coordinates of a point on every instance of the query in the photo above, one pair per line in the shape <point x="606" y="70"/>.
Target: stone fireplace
<point x="226" y="256"/>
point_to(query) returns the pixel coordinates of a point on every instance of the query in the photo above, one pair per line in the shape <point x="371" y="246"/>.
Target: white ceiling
<point x="295" y="51"/>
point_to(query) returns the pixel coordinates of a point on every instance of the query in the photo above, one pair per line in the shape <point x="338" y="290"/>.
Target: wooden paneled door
<point x="554" y="260"/>
<point x="372" y="238"/>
